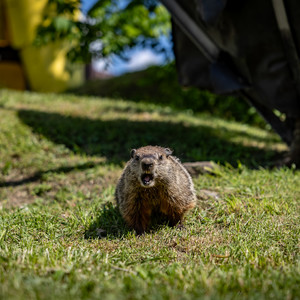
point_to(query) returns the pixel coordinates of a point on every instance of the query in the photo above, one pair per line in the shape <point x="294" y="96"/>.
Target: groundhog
<point x="154" y="182"/>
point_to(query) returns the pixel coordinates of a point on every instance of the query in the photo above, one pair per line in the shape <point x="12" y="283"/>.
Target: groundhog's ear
<point x="132" y="152"/>
<point x="168" y="151"/>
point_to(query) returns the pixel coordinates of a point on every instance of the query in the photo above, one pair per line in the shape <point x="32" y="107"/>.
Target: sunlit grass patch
<point x="62" y="237"/>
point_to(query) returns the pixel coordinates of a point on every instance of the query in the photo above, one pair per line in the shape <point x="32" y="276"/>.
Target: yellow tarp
<point x="45" y="67"/>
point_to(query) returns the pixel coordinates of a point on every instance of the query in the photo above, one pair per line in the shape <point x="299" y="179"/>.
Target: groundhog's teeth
<point x="147" y="178"/>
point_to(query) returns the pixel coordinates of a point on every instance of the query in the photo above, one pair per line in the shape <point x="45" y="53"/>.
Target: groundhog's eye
<point x="137" y="157"/>
<point x="161" y="157"/>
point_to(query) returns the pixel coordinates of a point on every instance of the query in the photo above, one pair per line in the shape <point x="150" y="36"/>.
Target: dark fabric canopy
<point x="252" y="53"/>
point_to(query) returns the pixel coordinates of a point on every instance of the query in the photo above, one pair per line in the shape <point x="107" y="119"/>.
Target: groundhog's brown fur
<point x="154" y="181"/>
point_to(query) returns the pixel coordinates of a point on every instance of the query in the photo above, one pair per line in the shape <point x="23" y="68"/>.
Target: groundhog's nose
<point x="147" y="164"/>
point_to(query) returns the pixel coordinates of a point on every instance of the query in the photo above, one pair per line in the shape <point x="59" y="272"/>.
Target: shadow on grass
<point x="39" y="175"/>
<point x="108" y="224"/>
<point x="111" y="224"/>
<point x="113" y="139"/>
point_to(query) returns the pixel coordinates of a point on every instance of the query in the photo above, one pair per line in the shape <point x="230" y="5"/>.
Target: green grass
<point x="61" y="236"/>
<point x="159" y="85"/>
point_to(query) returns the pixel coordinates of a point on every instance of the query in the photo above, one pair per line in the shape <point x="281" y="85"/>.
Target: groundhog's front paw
<point x="180" y="226"/>
<point x="139" y="230"/>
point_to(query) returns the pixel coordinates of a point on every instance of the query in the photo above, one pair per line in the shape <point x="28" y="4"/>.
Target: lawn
<point x="61" y="236"/>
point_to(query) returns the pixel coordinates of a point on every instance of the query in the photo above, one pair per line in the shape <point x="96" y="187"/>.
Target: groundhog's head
<point x="149" y="163"/>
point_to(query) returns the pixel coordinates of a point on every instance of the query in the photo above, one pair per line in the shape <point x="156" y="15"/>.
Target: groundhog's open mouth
<point x="147" y="179"/>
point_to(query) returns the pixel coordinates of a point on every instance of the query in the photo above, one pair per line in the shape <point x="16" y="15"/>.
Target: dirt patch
<point x="19" y="189"/>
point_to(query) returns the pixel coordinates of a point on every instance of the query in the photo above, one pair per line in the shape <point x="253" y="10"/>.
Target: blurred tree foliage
<point x="110" y="27"/>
